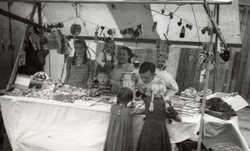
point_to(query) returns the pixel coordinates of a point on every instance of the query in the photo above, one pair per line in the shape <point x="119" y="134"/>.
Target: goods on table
<point x="219" y="108"/>
<point x="186" y="107"/>
<point x="128" y="80"/>
<point x="66" y="96"/>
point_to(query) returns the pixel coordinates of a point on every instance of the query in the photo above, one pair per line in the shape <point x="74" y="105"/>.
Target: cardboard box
<point x="22" y="82"/>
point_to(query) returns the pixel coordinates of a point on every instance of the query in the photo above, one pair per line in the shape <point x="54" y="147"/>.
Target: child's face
<point x="109" y="47"/>
<point x="102" y="78"/>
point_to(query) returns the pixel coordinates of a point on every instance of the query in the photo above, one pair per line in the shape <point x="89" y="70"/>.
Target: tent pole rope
<point x="201" y="130"/>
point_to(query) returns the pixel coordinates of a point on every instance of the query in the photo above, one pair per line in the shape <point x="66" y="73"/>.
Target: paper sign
<point x="22" y="81"/>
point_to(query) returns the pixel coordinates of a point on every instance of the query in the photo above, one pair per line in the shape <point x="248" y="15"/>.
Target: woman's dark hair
<point x="125" y="95"/>
<point x="80" y="41"/>
<point x="147" y="66"/>
<point x="129" y="51"/>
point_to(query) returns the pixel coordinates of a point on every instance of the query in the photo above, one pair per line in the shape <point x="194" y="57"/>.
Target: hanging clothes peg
<point x="96" y="34"/>
<point x="182" y="34"/>
<point x="154" y="26"/>
<point x="102" y="28"/>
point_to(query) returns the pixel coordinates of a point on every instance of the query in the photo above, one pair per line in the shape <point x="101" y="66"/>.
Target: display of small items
<point x="186" y="107"/>
<point x="128" y="80"/>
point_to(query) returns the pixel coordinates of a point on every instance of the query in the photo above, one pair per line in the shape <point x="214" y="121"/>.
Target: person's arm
<point x="171" y="84"/>
<point x="99" y="59"/>
<point x="138" y="111"/>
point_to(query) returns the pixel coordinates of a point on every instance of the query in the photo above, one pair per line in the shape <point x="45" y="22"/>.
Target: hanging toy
<point x="110" y="33"/>
<point x="189" y="26"/>
<point x="225" y="55"/>
<point x="102" y="28"/>
<point x="34" y="39"/>
<point x="180" y="22"/>
<point x="96" y="35"/>
<point x="154" y="26"/>
<point x="182" y="34"/>
<point x="140" y="28"/>
<point x="204" y="30"/>
<point x="171" y="15"/>
<point x="75" y="29"/>
<point x="162" y="11"/>
<point x="136" y="33"/>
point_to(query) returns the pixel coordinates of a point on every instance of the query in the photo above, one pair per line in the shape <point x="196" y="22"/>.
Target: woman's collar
<point x="125" y="65"/>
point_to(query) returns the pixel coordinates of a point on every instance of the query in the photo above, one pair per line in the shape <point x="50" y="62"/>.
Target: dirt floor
<point x="244" y="124"/>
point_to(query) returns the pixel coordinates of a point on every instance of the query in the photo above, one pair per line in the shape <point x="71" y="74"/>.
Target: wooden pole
<point x="217" y="43"/>
<point x="205" y="95"/>
<point x="14" y="70"/>
<point x="11" y="40"/>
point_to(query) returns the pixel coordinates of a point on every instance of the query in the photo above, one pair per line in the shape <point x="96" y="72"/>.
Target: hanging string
<point x="183" y="19"/>
<point x="160" y="12"/>
<point x="196" y="24"/>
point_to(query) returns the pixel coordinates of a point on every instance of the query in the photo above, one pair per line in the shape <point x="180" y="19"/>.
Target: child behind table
<point x="107" y="58"/>
<point x="154" y="133"/>
<point x="102" y="82"/>
<point x="119" y="135"/>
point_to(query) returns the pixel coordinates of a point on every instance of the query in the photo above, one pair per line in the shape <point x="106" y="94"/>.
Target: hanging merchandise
<point x="65" y="47"/>
<point x="136" y="33"/>
<point x="171" y="15"/>
<point x="182" y="34"/>
<point x="43" y="39"/>
<point x="102" y="28"/>
<point x="189" y="26"/>
<point x="162" y="53"/>
<point x="225" y="55"/>
<point x="139" y="27"/>
<point x="203" y="31"/>
<point x="34" y="39"/>
<point x="154" y="26"/>
<point x="54" y="42"/>
<point x="111" y="34"/>
<point x="180" y="22"/>
<point x="96" y="34"/>
<point x="75" y="29"/>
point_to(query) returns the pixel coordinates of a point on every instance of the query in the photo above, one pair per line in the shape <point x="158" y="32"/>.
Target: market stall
<point x="82" y="126"/>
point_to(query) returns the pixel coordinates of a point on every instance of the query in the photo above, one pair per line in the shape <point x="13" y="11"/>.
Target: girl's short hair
<point x="125" y="95"/>
<point x="81" y="41"/>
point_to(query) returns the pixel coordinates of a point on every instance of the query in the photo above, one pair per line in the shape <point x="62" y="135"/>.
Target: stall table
<point x="46" y="125"/>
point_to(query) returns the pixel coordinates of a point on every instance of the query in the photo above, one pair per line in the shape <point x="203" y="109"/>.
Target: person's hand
<point x="109" y="66"/>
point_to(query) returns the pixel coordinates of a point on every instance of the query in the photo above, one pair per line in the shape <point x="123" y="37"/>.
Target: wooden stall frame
<point x="207" y="9"/>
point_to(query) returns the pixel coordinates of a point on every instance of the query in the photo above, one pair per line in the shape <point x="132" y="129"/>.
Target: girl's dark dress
<point x="154" y="134"/>
<point x="119" y="135"/>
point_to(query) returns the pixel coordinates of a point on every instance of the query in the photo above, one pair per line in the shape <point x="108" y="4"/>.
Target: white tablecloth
<point x="45" y="125"/>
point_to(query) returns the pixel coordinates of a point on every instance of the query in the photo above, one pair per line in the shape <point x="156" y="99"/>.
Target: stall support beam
<point x="173" y="42"/>
<point x="18" y="18"/>
<point x="14" y="70"/>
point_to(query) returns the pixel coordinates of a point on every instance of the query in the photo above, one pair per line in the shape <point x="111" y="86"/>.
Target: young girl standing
<point x="107" y="58"/>
<point x="119" y="135"/>
<point x="154" y="134"/>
